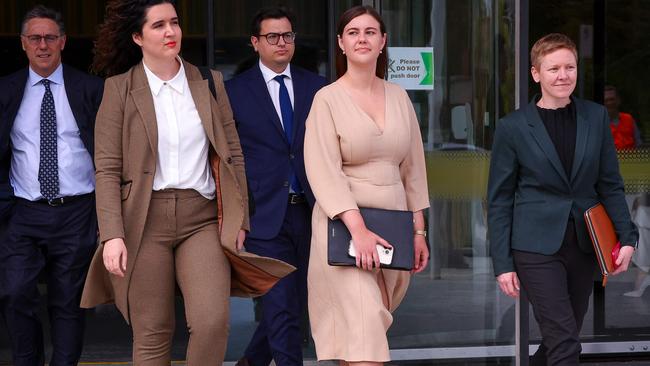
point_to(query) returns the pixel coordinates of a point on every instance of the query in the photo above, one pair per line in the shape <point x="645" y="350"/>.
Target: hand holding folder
<point x="396" y="227"/>
<point x="603" y="238"/>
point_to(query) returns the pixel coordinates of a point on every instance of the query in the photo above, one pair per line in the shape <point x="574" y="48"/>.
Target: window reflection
<point x="456" y="302"/>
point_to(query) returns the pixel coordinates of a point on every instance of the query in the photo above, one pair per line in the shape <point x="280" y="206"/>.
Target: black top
<point x="561" y="127"/>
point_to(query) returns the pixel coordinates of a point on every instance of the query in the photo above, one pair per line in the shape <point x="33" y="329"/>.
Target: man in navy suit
<point x="270" y="102"/>
<point x="47" y="204"/>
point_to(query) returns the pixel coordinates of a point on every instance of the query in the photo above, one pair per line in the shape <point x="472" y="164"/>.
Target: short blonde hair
<point x="550" y="43"/>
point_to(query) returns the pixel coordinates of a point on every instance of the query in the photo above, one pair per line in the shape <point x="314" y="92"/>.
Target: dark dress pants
<point x="278" y="336"/>
<point x="60" y="242"/>
<point x="558" y="287"/>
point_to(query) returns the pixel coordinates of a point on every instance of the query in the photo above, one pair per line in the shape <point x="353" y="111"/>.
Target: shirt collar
<point x="269" y="74"/>
<point x="56" y="77"/>
<point x="155" y="83"/>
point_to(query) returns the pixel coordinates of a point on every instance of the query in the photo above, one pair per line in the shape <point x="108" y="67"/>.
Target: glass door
<point x="462" y="57"/>
<point x="624" y="306"/>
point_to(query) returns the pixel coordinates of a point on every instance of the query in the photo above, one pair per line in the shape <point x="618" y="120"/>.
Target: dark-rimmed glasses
<point x="35" y="39"/>
<point x="274" y="38"/>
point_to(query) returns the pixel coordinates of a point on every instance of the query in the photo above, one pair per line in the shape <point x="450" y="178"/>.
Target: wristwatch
<point x="421" y="232"/>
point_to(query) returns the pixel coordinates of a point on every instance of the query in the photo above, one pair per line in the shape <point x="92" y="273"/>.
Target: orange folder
<point x="603" y="237"/>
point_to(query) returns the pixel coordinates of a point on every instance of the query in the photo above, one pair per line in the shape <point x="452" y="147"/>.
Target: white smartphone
<point x="385" y="254"/>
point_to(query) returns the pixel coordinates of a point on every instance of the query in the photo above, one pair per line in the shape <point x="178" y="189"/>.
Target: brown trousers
<point x="180" y="245"/>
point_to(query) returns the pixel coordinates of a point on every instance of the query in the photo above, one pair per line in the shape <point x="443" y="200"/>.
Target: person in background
<point x="624" y="129"/>
<point x="270" y="102"/>
<point x="363" y="148"/>
<point x="552" y="160"/>
<point x="627" y="136"/>
<point x="47" y="203"/>
<point x="641" y="259"/>
<point x="158" y="199"/>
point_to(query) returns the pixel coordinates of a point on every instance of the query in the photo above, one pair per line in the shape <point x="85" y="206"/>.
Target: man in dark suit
<point x="47" y="205"/>
<point x="270" y="102"/>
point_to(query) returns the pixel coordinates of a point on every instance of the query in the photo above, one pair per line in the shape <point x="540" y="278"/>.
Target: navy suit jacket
<point x="268" y="155"/>
<point x="530" y="195"/>
<point x="84" y="95"/>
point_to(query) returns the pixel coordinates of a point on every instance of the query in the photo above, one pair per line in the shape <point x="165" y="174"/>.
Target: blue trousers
<point x="58" y="242"/>
<point x="278" y="335"/>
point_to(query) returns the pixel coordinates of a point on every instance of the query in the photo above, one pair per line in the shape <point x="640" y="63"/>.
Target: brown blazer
<point x="126" y="139"/>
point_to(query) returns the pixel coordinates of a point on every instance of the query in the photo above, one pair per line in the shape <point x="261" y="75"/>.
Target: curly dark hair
<point x="115" y="51"/>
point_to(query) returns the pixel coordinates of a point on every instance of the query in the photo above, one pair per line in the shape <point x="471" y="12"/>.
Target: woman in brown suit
<point x="362" y="149"/>
<point x="157" y="126"/>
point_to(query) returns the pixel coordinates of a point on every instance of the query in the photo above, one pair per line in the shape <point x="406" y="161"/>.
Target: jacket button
<point x="229" y="160"/>
<point x="286" y="183"/>
<point x="291" y="156"/>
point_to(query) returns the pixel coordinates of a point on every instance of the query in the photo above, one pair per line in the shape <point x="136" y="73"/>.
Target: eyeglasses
<point x="35" y="39"/>
<point x="274" y="38"/>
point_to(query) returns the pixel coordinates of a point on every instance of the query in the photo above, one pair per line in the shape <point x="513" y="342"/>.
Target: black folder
<point x="396" y="227"/>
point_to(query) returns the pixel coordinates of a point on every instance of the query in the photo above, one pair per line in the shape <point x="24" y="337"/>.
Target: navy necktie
<point x="287" y="121"/>
<point x="48" y="170"/>
<point x="285" y="108"/>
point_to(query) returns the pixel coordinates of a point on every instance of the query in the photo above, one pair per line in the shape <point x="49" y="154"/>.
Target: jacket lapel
<point x="538" y="130"/>
<point x="301" y="108"/>
<point x="260" y="92"/>
<point x="202" y="100"/>
<point x="205" y="105"/>
<point x="582" y="135"/>
<point x="75" y="99"/>
<point x="17" y="85"/>
<point x="143" y="100"/>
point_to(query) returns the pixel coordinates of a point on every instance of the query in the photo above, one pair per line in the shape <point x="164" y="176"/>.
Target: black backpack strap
<point x="207" y="75"/>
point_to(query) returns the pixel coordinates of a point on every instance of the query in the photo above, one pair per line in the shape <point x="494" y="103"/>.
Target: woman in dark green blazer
<point x="552" y="160"/>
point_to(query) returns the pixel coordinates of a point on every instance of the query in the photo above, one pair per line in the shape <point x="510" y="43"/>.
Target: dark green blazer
<point x="530" y="195"/>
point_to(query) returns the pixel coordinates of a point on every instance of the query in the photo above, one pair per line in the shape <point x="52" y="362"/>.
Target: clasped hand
<point x="365" y="245"/>
<point x="623" y="260"/>
<point x="114" y="256"/>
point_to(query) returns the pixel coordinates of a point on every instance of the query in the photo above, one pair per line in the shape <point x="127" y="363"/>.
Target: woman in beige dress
<point x="362" y="149"/>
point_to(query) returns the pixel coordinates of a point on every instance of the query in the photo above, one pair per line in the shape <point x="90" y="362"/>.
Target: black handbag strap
<point x="207" y="75"/>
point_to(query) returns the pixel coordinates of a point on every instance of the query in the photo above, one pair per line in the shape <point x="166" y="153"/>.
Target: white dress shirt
<point x="76" y="170"/>
<point x="183" y="146"/>
<point x="274" y="90"/>
<point x="274" y="87"/>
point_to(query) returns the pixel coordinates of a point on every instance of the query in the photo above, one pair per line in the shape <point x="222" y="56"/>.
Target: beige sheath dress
<point x="351" y="163"/>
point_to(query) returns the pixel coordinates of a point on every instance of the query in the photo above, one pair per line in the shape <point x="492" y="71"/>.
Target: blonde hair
<point x="550" y="43"/>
